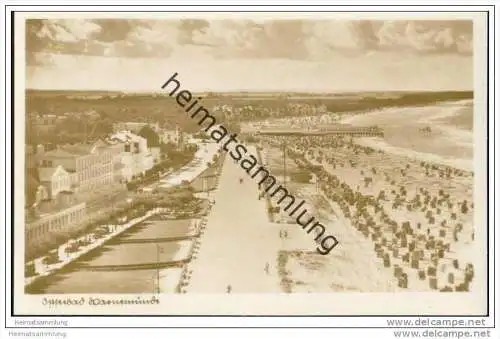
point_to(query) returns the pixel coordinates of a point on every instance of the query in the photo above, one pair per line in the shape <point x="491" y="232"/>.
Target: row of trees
<point x="71" y="130"/>
<point x="174" y="159"/>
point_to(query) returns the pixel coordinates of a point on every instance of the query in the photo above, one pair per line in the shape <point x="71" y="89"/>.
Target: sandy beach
<point x="350" y="267"/>
<point x="397" y="212"/>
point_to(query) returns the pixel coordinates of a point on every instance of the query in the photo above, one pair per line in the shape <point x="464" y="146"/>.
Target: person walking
<point x="229" y="288"/>
<point x="267" y="268"/>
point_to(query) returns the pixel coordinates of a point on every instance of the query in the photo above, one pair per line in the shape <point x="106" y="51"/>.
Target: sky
<point x="245" y="55"/>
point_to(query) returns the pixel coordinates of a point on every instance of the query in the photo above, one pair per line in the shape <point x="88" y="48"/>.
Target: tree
<point x="150" y="135"/>
<point x="167" y="148"/>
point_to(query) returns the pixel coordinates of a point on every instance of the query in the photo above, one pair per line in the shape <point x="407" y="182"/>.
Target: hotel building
<point x="89" y="166"/>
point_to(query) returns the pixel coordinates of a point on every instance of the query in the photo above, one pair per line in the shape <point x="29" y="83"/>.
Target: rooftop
<point x="46" y="173"/>
<point x="125" y="136"/>
<point x="60" y="153"/>
<point x="78" y="149"/>
<point x="101" y="144"/>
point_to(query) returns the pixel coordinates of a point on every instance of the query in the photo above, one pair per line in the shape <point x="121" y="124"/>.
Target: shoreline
<point x="428" y="115"/>
<point x="357" y="117"/>
<point x="382" y="145"/>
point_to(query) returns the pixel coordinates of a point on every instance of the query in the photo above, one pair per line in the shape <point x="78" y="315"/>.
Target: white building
<point x="136" y="157"/>
<point x="89" y="166"/>
<point x="55" y="179"/>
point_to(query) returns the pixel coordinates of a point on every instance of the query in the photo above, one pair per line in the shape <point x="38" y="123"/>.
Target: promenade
<point x="238" y="241"/>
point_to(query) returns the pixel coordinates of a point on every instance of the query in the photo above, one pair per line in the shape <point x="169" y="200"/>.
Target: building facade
<point x="45" y="227"/>
<point x="136" y="158"/>
<point x="55" y="179"/>
<point x="89" y="166"/>
<point x="176" y="137"/>
<point x="116" y="149"/>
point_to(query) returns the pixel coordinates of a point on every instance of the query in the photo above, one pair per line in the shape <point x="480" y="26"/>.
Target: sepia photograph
<point x="258" y="163"/>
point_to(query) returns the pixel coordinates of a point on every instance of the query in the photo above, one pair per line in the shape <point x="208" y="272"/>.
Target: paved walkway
<point x="238" y="241"/>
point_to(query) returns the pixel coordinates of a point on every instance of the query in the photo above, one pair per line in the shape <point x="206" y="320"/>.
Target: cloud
<point x="421" y="37"/>
<point x="227" y="39"/>
<point x="190" y="31"/>
<point x="102" y="37"/>
<point x="247" y="39"/>
<point x="302" y="40"/>
<point x="66" y="31"/>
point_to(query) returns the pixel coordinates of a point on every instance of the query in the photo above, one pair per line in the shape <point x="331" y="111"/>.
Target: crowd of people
<point x="416" y="214"/>
<point x="302" y="122"/>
